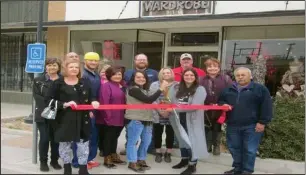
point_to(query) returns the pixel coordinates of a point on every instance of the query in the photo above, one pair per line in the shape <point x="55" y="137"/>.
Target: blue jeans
<point x="243" y="143"/>
<point x="93" y="145"/>
<point x="135" y="130"/>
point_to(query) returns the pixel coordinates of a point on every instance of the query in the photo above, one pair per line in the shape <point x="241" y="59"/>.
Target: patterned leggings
<point x="65" y="152"/>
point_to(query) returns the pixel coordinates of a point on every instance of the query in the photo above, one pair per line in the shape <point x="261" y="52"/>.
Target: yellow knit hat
<point x="92" y="56"/>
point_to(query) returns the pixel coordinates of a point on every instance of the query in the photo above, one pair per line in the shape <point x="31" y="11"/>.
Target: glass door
<point x="152" y="44"/>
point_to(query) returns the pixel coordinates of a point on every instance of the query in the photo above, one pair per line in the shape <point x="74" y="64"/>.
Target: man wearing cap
<point x="186" y="62"/>
<point x="91" y="60"/>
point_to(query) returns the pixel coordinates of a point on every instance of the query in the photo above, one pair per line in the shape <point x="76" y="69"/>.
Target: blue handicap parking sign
<point x="36" y="56"/>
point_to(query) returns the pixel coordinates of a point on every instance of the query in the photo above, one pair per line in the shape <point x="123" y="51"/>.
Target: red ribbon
<point x="221" y="119"/>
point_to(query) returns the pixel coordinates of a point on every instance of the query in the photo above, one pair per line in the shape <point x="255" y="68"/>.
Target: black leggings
<point x="158" y="133"/>
<point x="46" y="140"/>
<point x="100" y="130"/>
<point x="111" y="135"/>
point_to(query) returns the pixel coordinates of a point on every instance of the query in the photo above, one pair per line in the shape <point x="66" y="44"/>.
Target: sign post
<point x="36" y="56"/>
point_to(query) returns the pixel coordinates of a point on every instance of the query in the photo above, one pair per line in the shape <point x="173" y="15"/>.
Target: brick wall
<point x="56" y="10"/>
<point x="57" y="37"/>
<point x="57" y="41"/>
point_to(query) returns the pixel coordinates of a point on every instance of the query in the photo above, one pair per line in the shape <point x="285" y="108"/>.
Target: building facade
<point x="232" y="31"/>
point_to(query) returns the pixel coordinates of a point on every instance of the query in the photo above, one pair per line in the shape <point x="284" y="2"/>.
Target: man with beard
<point x="141" y="63"/>
<point x="91" y="60"/>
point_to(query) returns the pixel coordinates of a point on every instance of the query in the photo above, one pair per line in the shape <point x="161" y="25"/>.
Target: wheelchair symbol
<point x="36" y="53"/>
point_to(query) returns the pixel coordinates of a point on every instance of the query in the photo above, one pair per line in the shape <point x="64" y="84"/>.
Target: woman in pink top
<point x="100" y="126"/>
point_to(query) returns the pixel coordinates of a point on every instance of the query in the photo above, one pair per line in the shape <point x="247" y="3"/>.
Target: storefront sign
<point x="165" y="8"/>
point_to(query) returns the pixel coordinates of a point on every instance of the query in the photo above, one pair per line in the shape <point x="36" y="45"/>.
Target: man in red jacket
<point x="186" y="61"/>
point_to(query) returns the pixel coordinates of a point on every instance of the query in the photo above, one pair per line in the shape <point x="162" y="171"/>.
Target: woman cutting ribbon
<point x="188" y="124"/>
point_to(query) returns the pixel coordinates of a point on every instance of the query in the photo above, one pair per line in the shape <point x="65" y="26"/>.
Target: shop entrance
<point x="152" y="44"/>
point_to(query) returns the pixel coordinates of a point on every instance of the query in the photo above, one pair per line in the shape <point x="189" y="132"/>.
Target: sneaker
<point x="93" y="164"/>
<point x="167" y="157"/>
<point x="158" y="157"/>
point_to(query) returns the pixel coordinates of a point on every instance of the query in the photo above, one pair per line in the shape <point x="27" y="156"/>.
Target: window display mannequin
<point x="293" y="81"/>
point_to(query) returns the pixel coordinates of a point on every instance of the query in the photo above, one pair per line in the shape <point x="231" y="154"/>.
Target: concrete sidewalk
<point x="16" y="156"/>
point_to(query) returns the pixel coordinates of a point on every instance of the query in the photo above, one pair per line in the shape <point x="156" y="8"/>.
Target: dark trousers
<point x="187" y="153"/>
<point x="100" y="129"/>
<point x="212" y="128"/>
<point x="243" y="143"/>
<point x="158" y="133"/>
<point x="111" y="135"/>
<point x="46" y="138"/>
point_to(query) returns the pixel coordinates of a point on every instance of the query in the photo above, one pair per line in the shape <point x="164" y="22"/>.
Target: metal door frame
<point x="164" y="43"/>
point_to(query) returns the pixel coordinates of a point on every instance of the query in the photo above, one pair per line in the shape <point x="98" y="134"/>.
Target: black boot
<point x="67" y="168"/>
<point x="209" y="143"/>
<point x="183" y="163"/>
<point x="217" y="141"/>
<point x="44" y="167"/>
<point x="55" y="165"/>
<point x="190" y="169"/>
<point x="83" y="169"/>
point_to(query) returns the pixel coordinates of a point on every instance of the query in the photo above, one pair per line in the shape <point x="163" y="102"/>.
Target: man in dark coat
<point x="251" y="111"/>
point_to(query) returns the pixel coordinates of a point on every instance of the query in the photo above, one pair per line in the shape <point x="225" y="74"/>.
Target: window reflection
<point x="278" y="53"/>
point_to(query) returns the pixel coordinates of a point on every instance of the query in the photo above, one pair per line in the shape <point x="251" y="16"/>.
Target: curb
<point x="15" y="131"/>
<point x="274" y="166"/>
<point x="5" y="120"/>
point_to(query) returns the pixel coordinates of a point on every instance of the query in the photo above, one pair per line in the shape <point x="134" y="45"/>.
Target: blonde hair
<point x="65" y="66"/>
<point x="160" y="74"/>
<point x="103" y="67"/>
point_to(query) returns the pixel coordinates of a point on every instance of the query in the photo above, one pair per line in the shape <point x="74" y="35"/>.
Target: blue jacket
<point x="95" y="82"/>
<point x="251" y="105"/>
<point x="152" y="74"/>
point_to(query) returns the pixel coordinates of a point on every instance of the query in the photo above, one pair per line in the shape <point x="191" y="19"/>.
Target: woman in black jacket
<point x="71" y="125"/>
<point x="40" y="87"/>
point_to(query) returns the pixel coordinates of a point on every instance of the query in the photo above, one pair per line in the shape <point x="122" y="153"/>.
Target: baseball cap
<point x="186" y="55"/>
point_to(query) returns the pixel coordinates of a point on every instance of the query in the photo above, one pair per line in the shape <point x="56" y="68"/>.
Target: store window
<point x="117" y="46"/>
<point x="194" y="39"/>
<point x="198" y="58"/>
<point x="283" y="57"/>
<point x="281" y="46"/>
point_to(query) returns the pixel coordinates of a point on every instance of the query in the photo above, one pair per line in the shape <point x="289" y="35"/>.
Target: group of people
<point x="68" y="83"/>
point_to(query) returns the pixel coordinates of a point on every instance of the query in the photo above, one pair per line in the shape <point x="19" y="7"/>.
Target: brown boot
<point x="143" y="164"/>
<point x="108" y="162"/>
<point x="116" y="159"/>
<point x="135" y="167"/>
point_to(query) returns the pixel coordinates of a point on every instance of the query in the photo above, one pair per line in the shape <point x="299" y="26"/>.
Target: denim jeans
<point x="93" y="145"/>
<point x="243" y="143"/>
<point x="135" y="130"/>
